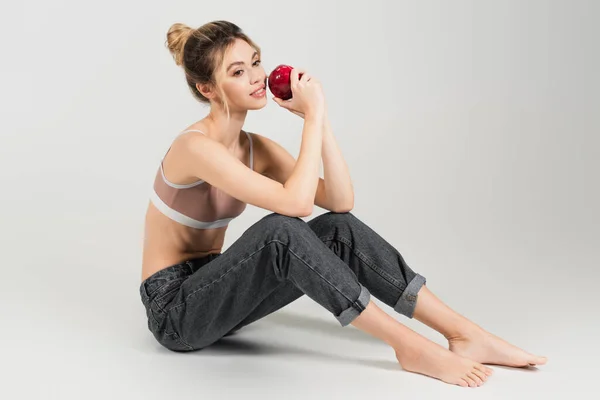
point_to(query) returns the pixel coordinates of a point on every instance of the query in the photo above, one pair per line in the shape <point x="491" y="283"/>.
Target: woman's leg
<point x="414" y="352"/>
<point x="276" y="249"/>
<point x="281" y="296"/>
<point x="468" y="339"/>
<point x="386" y="276"/>
<point x="376" y="263"/>
<point x="274" y="253"/>
<point x="383" y="271"/>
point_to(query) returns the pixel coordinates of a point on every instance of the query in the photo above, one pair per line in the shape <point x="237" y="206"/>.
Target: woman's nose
<point x="259" y="78"/>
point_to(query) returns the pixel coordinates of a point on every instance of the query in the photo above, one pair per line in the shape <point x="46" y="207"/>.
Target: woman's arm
<point x="338" y="184"/>
<point x="280" y="164"/>
<point x="335" y="192"/>
<point x="304" y="177"/>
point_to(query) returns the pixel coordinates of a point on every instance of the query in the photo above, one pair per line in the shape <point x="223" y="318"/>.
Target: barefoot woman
<point x="195" y="294"/>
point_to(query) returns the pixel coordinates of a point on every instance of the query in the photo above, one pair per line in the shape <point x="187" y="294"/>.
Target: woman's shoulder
<point x="189" y="137"/>
<point x="197" y="129"/>
<point x="193" y="136"/>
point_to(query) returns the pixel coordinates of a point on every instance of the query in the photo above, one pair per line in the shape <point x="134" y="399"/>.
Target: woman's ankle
<point x="376" y="322"/>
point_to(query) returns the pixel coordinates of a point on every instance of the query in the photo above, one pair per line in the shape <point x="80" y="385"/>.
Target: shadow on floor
<point x="239" y="346"/>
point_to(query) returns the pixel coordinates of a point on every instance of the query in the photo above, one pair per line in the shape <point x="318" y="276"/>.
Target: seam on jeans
<point x="309" y="266"/>
<point x="180" y="340"/>
<point x="154" y="319"/>
<point x="365" y="259"/>
<point x="184" y="343"/>
<point x="157" y="300"/>
<point x="156" y="293"/>
<point x="244" y="260"/>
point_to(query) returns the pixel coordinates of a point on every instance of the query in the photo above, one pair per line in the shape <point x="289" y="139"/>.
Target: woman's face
<point x="241" y="74"/>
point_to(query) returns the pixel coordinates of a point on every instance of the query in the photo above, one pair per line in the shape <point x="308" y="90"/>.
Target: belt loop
<point x="190" y="266"/>
<point x="144" y="293"/>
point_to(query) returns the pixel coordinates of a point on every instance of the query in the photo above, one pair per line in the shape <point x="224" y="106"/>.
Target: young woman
<point x="194" y="294"/>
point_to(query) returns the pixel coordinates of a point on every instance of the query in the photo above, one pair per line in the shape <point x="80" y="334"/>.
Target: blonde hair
<point x="201" y="53"/>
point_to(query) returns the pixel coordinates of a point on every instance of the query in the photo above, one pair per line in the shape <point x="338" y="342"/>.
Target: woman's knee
<point x="331" y="220"/>
<point x="275" y="222"/>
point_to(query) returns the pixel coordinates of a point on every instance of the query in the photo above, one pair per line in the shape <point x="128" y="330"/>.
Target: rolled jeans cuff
<point x="408" y="300"/>
<point x="357" y="307"/>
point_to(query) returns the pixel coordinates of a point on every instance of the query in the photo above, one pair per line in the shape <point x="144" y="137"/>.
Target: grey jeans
<point x="335" y="259"/>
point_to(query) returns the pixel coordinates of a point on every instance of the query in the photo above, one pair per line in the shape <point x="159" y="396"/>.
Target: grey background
<point x="471" y="132"/>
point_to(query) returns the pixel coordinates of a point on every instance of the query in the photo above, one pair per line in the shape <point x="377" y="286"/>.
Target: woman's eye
<point x="241" y="70"/>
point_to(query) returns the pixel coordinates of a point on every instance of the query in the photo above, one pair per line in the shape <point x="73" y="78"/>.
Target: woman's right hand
<point x="307" y="94"/>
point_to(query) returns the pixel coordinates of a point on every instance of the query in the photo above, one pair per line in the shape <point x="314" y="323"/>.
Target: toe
<point x="488" y="371"/>
<point x="541" y="360"/>
<point x="463" y="383"/>
<point x="534" y="360"/>
<point x="475" y="378"/>
<point x="480" y="374"/>
<point x="470" y="380"/>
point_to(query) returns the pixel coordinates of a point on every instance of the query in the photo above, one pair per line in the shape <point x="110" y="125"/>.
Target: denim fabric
<point x="335" y="259"/>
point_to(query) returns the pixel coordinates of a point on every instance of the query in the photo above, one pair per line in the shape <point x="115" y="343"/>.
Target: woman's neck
<point x="226" y="132"/>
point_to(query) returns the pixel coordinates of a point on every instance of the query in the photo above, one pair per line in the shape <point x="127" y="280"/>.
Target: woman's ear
<point x="206" y="90"/>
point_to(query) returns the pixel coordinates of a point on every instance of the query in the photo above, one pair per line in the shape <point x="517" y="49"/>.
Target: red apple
<point x="279" y="81"/>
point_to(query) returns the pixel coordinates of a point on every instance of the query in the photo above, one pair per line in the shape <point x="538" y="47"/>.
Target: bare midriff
<point x="167" y="242"/>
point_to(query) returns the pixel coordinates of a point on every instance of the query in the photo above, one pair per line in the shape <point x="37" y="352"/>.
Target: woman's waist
<point x="156" y="261"/>
<point x="166" y="278"/>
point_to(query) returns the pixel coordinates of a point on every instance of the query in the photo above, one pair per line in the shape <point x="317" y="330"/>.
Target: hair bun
<point x="176" y="37"/>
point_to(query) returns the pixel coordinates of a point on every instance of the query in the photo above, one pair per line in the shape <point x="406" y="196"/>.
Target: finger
<point x="293" y="76"/>
<point x="305" y="77"/>
<point x="297" y="71"/>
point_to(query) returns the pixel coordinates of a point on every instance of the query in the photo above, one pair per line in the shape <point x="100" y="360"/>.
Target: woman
<point x="194" y="294"/>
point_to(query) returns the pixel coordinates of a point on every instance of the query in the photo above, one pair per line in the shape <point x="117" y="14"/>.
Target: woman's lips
<point x="258" y="93"/>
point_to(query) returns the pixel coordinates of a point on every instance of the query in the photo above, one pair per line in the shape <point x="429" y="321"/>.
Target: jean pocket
<point x="164" y="295"/>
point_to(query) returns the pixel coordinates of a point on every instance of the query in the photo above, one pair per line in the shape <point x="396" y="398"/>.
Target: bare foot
<point x="419" y="354"/>
<point x="484" y="347"/>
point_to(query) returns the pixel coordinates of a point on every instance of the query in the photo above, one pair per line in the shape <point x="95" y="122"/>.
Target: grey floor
<point x="468" y="127"/>
<point x="77" y="330"/>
